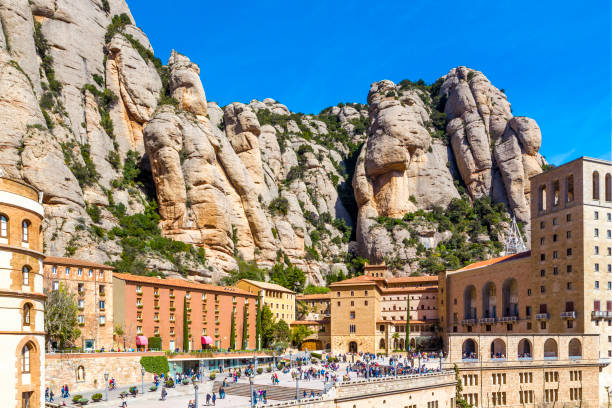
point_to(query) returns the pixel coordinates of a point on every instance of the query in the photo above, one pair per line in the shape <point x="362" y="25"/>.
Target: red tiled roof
<point x="181" y="283"/>
<point x="493" y="261"/>
<point x="74" y="262"/>
<point x="411" y="279"/>
<point x="414" y="289"/>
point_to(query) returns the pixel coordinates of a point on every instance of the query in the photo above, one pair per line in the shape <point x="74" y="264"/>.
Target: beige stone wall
<point x="124" y="367"/>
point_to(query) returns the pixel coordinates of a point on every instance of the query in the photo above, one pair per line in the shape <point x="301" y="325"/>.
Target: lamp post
<point x="608" y="392"/>
<point x="106" y="383"/>
<point x="297" y="386"/>
<point x="441" y="354"/>
<point x="251" y="376"/>
<point x="142" y="372"/>
<point x="419" y="363"/>
<point x="201" y="371"/>
<point x="195" y="390"/>
<point x="254" y="364"/>
<point x="291" y="359"/>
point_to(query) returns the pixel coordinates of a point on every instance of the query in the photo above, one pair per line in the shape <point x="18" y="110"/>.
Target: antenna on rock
<point x="514" y="240"/>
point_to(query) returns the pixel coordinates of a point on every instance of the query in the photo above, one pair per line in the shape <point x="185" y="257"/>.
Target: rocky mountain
<point x="139" y="169"/>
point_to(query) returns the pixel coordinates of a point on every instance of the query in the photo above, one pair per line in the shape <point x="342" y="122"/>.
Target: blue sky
<point x="551" y="57"/>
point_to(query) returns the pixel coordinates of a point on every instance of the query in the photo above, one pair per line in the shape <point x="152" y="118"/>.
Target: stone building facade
<point x="551" y="305"/>
<point x="91" y="283"/>
<point x="22" y="338"/>
<point x="279" y="299"/>
<point x="153" y="307"/>
<point x="370" y="313"/>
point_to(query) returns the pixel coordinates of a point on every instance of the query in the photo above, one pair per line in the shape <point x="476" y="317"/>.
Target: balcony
<point x="568" y="315"/>
<point x="468" y="322"/>
<point x="599" y="314"/>
<point x="508" y="319"/>
<point x="487" y="320"/>
<point x="542" y="316"/>
<point x="139" y="292"/>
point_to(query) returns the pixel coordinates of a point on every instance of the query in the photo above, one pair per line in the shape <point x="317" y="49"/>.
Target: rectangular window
<point x="81" y="319"/>
<point x="79" y="272"/>
<point x="596" y="215"/>
<point x="568" y="234"/>
<point x="596" y="284"/>
<point x="568" y="268"/>
<point x="555" y="270"/>
<point x="102" y="319"/>
<point x="596" y="250"/>
<point x="55" y="285"/>
<point x="67" y="271"/>
<point x="596" y="267"/>
<point x="352" y="328"/>
<point x="568" y="252"/>
<point x="101" y="305"/>
<point x="90" y="273"/>
<point x="596" y="232"/>
<point x="54" y="270"/>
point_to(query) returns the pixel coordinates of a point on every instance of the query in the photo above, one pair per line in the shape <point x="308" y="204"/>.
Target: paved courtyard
<point x="237" y="395"/>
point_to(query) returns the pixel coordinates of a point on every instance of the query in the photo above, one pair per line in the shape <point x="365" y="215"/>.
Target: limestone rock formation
<point x="92" y="118"/>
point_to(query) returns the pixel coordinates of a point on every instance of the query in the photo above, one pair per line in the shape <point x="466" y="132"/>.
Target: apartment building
<point x="279" y="299"/>
<point x="91" y="283"/>
<point x="153" y="307"/>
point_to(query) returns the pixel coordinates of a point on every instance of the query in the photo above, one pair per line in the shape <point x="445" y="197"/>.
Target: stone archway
<point x="352" y="347"/>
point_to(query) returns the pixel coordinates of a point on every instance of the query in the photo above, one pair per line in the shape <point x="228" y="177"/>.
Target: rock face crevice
<point x="83" y="107"/>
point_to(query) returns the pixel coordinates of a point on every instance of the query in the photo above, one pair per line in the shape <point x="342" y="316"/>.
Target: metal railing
<point x="542" y="316"/>
<point x="568" y="315"/>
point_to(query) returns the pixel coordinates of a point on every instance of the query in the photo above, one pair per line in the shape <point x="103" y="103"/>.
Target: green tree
<point x="258" y="327"/>
<point x="288" y="276"/>
<point x="460" y="401"/>
<point x="407" y="345"/>
<point x="61" y="318"/>
<point x="245" y="328"/>
<point x="281" y="331"/>
<point x="312" y="290"/>
<point x="185" y="327"/>
<point x="396" y="337"/>
<point x="246" y="270"/>
<point x="233" y="331"/>
<point x="267" y="326"/>
<point x="298" y="334"/>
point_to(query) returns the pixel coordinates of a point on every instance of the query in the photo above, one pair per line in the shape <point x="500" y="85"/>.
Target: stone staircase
<point x="273" y="392"/>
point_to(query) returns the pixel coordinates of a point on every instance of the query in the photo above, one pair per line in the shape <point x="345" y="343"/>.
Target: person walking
<point x="163" y="393"/>
<point x="214" y="398"/>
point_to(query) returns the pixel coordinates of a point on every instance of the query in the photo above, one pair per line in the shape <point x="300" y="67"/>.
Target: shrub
<point x="155" y="343"/>
<point x="96" y="397"/>
<point x="212" y="376"/>
<point x="280" y="205"/>
<point x="260" y="370"/>
<point x="153" y="388"/>
<point x="269" y="369"/>
<point x="170" y="383"/>
<point x="185" y="381"/>
<point x="133" y="390"/>
<point x="83" y="401"/>
<point x="76" y="398"/>
<point x="155" y="364"/>
<point x="279" y="366"/>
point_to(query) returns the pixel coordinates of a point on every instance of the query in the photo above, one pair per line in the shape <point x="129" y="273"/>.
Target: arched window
<point x="381" y="344"/>
<point x="25" y="276"/>
<point x="498" y="349"/>
<point x="542" y="198"/>
<point x="569" y="188"/>
<point x="489" y="300"/>
<point x="608" y="187"/>
<point x="595" y="185"/>
<point x="550" y="349"/>
<point x="510" y="298"/>
<point x="3" y="226"/>
<point x="575" y="349"/>
<point x="469" y="303"/>
<point x="27" y="308"/>
<point x="469" y="349"/>
<point x="524" y="349"/>
<point x="25" y="359"/>
<point x="25" y="230"/>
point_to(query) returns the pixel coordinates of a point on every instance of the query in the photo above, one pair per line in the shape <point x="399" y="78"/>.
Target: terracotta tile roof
<point x="413" y="279"/>
<point x="74" y="262"/>
<point x="268" y="285"/>
<point x="181" y="283"/>
<point x="414" y="289"/>
<point x="358" y="280"/>
<point x="314" y="296"/>
<point x="493" y="261"/>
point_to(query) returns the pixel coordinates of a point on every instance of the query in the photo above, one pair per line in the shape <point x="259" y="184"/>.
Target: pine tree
<point x="245" y="327"/>
<point x="407" y="345"/>
<point x="233" y="331"/>
<point x="258" y="332"/>
<point x="185" y="327"/>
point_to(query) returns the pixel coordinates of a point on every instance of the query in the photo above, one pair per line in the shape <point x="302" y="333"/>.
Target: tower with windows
<point x="22" y="336"/>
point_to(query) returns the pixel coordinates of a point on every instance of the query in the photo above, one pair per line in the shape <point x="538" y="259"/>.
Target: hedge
<point x="155" y="364"/>
<point x="155" y="343"/>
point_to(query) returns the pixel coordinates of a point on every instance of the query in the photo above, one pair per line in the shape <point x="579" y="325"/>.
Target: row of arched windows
<point x="607" y="186"/>
<point x="4" y="228"/>
<point x="524" y="351"/>
<point x="489" y="300"/>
